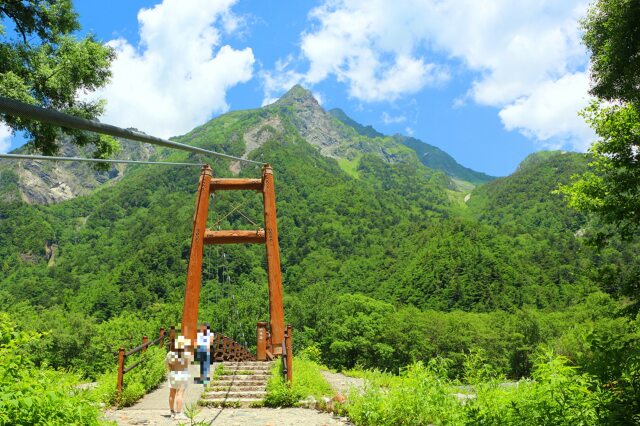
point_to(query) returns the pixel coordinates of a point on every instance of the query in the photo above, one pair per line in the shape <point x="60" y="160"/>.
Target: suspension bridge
<point x="273" y="337"/>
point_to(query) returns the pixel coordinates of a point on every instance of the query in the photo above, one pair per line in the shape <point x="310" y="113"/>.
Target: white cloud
<point x="530" y="60"/>
<point x="520" y="51"/>
<point x="5" y="138"/>
<point x="351" y="43"/>
<point x="549" y="114"/>
<point x="281" y="79"/>
<point x="391" y="119"/>
<point x="178" y="75"/>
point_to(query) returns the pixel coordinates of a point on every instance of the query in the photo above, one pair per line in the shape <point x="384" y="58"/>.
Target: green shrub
<point x="558" y="395"/>
<point x="421" y="396"/>
<point x="307" y="381"/>
<point x="31" y="395"/>
<point x="311" y="353"/>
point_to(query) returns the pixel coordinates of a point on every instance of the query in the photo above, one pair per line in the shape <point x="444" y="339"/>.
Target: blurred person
<point x="177" y="361"/>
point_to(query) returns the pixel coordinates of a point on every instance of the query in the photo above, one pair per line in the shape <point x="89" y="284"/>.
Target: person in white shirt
<point x="204" y="353"/>
<point x="177" y="361"/>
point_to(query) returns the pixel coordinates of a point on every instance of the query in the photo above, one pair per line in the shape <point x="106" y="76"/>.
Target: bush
<point x="38" y="395"/>
<point x="558" y="395"/>
<point x="420" y="396"/>
<point x="307" y="381"/>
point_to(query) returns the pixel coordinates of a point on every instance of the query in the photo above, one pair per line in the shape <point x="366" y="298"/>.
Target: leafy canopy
<point x="43" y="63"/>
<point x="611" y="189"/>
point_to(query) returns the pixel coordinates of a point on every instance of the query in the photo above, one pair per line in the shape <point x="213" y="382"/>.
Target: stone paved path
<point x="153" y="410"/>
<point x="233" y="417"/>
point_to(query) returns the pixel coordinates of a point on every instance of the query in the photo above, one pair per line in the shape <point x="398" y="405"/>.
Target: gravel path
<point x="341" y="383"/>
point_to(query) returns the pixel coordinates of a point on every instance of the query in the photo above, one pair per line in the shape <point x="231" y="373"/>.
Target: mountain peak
<point x="298" y="95"/>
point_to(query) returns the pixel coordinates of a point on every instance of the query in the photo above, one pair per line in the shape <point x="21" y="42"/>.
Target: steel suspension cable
<point x="57" y="118"/>
<point x="91" y="160"/>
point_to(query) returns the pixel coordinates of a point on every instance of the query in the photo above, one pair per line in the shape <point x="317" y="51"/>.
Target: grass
<point x="137" y="383"/>
<point x="307" y="381"/>
<point x="350" y="167"/>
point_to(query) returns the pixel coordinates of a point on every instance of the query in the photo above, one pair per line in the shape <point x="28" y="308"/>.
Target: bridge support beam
<point x="234" y="237"/>
<point x="274" y="275"/>
<point x="194" y="271"/>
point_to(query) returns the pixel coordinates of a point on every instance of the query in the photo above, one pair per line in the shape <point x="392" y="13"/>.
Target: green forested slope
<point x="360" y="251"/>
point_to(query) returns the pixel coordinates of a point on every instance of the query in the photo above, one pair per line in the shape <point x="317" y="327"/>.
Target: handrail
<point x="122" y="357"/>
<point x="144" y="346"/>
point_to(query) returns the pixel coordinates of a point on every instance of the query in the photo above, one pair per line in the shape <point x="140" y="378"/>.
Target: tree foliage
<point x="612" y="35"/>
<point x="611" y="188"/>
<point x="43" y="63"/>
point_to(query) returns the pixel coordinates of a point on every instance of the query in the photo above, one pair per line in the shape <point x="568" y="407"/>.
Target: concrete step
<point x="245" y="373"/>
<point x="240" y="377"/>
<point x="234" y="394"/>
<point x="215" y="388"/>
<point x="249" y="382"/>
<point x="231" y="402"/>
<point x="246" y="368"/>
<point x="239" y="365"/>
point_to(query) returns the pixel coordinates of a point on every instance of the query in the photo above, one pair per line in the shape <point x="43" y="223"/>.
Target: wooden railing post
<point x="161" y="342"/>
<point x="144" y="342"/>
<point x="172" y="337"/>
<point x="261" y="345"/>
<point x="288" y="337"/>
<point x="120" y="373"/>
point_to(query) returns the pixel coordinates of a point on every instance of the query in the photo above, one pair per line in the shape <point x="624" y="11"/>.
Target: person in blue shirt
<point x="203" y="346"/>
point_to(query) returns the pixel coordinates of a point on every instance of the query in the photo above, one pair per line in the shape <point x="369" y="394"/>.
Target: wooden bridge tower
<point x="268" y="236"/>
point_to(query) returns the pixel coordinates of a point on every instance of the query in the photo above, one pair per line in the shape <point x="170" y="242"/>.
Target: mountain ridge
<point x="333" y="133"/>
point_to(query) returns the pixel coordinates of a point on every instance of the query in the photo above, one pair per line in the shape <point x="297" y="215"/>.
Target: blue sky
<point x="487" y="81"/>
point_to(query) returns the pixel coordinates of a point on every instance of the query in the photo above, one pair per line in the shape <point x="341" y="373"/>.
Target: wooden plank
<point x="222" y="184"/>
<point x="235" y="237"/>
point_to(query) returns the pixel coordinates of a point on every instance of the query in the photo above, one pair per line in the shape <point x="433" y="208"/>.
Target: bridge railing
<point x="123" y="355"/>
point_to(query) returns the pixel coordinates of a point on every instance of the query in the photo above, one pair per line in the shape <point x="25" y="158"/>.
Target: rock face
<point x="314" y="124"/>
<point x="46" y="182"/>
<point x="334" y="134"/>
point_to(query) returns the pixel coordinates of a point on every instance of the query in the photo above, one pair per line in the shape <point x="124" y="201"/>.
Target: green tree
<point x="42" y="63"/>
<point x="611" y="189"/>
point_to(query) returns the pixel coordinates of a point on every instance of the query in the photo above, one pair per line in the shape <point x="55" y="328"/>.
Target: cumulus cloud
<point x="5" y="138"/>
<point x="351" y="41"/>
<point x="179" y="73"/>
<point x="520" y="51"/>
<point x="530" y="61"/>
<point x="549" y="115"/>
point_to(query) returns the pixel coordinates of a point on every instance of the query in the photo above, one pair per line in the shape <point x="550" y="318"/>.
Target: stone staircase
<point x="239" y="384"/>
